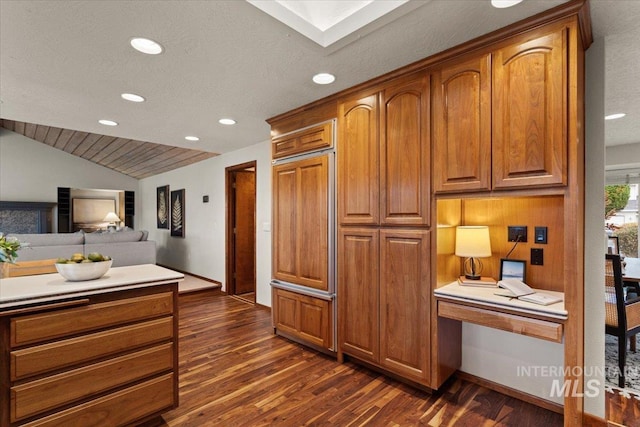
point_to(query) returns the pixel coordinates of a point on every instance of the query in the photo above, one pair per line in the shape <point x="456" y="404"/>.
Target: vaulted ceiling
<point x="64" y="64"/>
<point x="137" y="159"/>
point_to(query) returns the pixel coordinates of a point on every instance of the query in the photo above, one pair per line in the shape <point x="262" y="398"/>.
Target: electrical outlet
<point x="537" y="256"/>
<point x="540" y="235"/>
<point x="517" y="230"/>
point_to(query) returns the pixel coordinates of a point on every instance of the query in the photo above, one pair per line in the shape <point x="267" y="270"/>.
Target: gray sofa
<point x="124" y="247"/>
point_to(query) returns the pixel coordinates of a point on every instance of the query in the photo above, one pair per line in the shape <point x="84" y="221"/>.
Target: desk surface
<point x="486" y="297"/>
<point x="632" y="269"/>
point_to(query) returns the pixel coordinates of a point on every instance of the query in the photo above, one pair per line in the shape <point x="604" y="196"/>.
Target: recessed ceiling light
<point x="324" y="78"/>
<point x="614" y="116"/>
<point x="192" y="138"/>
<point x="227" y="122"/>
<point x="132" y="97"/>
<point x="501" y="4"/>
<point x="146" y="45"/>
<point x="107" y="122"/>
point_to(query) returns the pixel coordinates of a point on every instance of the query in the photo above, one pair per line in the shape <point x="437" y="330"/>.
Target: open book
<point x="516" y="288"/>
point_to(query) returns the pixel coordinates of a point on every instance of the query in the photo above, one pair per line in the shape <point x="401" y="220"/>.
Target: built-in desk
<point x="481" y="306"/>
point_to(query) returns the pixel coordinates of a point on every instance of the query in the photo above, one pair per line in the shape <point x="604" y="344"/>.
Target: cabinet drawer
<point x="536" y="328"/>
<point x="311" y="138"/>
<point x="56" y="355"/>
<point x="116" y="409"/>
<point x="39" y="327"/>
<point x="48" y="393"/>
<point x="303" y="317"/>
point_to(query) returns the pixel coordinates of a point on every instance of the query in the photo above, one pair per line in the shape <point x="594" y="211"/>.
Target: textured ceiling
<point x="65" y="63"/>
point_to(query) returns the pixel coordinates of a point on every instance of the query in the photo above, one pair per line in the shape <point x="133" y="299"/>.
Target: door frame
<point x="229" y="173"/>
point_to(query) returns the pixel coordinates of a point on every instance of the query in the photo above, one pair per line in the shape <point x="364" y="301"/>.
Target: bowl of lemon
<point x="78" y="267"/>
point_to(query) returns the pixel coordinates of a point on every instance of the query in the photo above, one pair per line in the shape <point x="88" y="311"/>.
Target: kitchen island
<point x="91" y="353"/>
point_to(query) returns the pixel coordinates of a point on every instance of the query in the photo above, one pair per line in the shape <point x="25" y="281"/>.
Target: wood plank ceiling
<point x="137" y="159"/>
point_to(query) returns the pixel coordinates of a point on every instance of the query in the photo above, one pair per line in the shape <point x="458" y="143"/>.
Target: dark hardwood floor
<point x="235" y="372"/>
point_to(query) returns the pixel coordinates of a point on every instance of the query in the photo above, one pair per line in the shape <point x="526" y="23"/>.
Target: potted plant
<point x="9" y="247"/>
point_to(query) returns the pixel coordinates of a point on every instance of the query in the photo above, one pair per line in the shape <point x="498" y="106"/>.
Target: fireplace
<point x="26" y="217"/>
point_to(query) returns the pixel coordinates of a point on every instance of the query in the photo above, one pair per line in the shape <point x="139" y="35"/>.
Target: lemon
<point x="95" y="257"/>
<point x="77" y="257"/>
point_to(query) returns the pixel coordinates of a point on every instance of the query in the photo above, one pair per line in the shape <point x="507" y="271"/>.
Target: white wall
<point x="31" y="171"/>
<point x="594" y="218"/>
<point x="202" y="250"/>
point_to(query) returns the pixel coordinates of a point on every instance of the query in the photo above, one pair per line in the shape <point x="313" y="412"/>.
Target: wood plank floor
<point x="235" y="372"/>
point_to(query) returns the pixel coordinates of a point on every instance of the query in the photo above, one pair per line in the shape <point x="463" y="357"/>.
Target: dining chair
<point x="622" y="316"/>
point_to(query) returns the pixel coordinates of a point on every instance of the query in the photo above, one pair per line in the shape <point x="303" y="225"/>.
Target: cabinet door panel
<point x="284" y="222"/>
<point x="358" y="185"/>
<point x="404" y="152"/>
<point x="358" y="260"/>
<point x="404" y="302"/>
<point x="300" y="230"/>
<point x="315" y="322"/>
<point x="462" y="126"/>
<point x="312" y="231"/>
<point x="530" y="109"/>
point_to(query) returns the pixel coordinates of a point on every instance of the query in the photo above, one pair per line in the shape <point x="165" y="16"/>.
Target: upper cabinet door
<point x="529" y="112"/>
<point x="357" y="153"/>
<point x="405" y="152"/>
<point x="462" y="126"/>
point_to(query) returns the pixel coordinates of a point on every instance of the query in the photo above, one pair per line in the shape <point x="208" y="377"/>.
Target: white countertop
<point x="486" y="296"/>
<point x="18" y="291"/>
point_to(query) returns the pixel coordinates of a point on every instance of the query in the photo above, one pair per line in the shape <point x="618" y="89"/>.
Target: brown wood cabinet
<point x="304" y="140"/>
<point x="384" y="299"/>
<point x="405" y="303"/>
<point x="115" y="359"/>
<point x="300" y="222"/>
<point x="462" y="125"/>
<point x="384" y="155"/>
<point x="303" y="318"/>
<point x="500" y="118"/>
<point x="384" y="182"/>
<point x="530" y="111"/>
<point x="359" y="292"/>
<point x="358" y="184"/>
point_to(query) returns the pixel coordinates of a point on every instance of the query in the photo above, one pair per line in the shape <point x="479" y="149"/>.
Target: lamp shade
<point x="473" y="241"/>
<point x="111" y="217"/>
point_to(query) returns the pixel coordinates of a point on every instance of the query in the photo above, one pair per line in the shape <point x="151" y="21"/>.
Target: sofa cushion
<point x="119" y="237"/>
<point x="51" y="239"/>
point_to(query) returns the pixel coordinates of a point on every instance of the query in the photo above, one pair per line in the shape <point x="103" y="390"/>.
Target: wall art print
<point x="177" y="213"/>
<point x="162" y="202"/>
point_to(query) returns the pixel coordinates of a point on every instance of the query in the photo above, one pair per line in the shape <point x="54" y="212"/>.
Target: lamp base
<point x="472" y="276"/>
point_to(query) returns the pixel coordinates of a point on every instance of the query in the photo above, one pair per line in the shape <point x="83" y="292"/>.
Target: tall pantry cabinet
<point x="383" y="239"/>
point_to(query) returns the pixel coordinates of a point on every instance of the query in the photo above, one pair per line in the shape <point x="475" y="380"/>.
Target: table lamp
<point x="472" y="242"/>
<point x="111" y="218"/>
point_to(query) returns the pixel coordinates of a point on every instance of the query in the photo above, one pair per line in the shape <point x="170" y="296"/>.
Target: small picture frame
<point x="177" y="213"/>
<point x="162" y="206"/>
<point x="513" y="269"/>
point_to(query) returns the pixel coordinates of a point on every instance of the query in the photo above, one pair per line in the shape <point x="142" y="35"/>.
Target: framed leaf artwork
<point x="177" y="213"/>
<point x="162" y="202"/>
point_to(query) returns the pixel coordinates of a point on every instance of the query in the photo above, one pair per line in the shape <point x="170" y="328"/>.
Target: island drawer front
<point x="60" y="354"/>
<point x="48" y="393"/>
<point x="116" y="409"/>
<point x="536" y="328"/>
<point x="45" y="326"/>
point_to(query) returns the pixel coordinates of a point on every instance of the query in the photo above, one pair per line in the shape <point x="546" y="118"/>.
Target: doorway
<point x="241" y="231"/>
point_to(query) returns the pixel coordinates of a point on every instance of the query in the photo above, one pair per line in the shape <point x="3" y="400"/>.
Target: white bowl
<point x="75" y="272"/>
